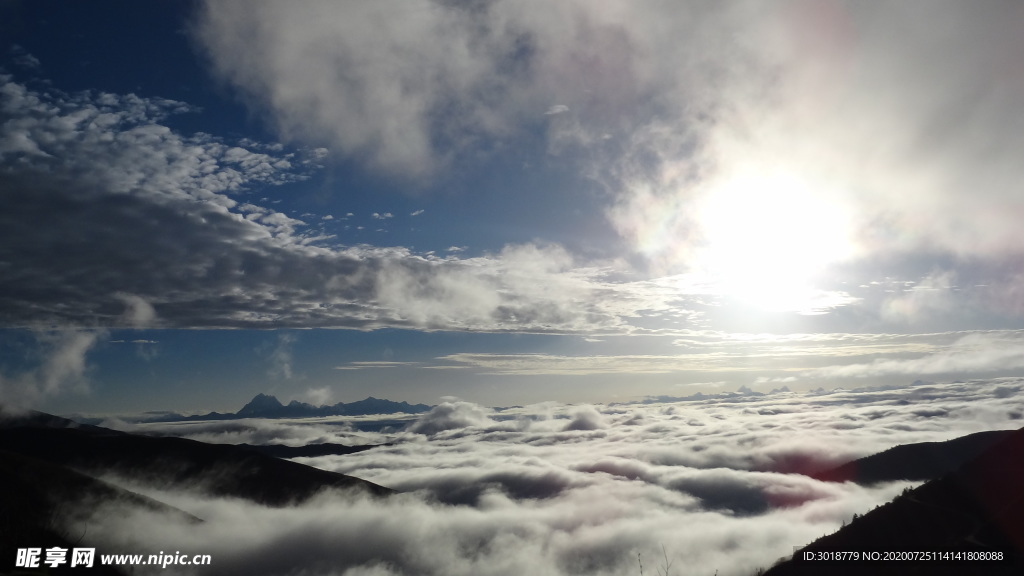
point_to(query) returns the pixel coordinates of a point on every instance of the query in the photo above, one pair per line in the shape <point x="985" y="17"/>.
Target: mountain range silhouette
<point x="267" y="406"/>
<point x="50" y="469"/>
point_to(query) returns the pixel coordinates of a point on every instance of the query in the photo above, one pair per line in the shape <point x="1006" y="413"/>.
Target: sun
<point x="767" y="236"/>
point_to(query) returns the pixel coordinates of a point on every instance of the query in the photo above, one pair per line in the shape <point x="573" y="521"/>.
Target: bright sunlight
<point x="767" y="236"/>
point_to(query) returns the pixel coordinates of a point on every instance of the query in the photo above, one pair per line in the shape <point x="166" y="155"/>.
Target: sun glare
<point x="767" y="237"/>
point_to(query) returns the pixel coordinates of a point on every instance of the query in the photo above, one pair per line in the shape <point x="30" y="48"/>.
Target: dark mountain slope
<point x="39" y="502"/>
<point x="34" y="419"/>
<point x="921" y="461"/>
<point x="308" y="451"/>
<point x="979" y="508"/>
<point x="178" y="463"/>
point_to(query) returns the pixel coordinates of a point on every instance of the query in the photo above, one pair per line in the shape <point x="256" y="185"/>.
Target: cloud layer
<point x="112" y="219"/>
<point x="559" y="490"/>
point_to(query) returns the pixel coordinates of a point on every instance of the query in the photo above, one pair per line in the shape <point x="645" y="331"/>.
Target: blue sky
<point x="505" y="202"/>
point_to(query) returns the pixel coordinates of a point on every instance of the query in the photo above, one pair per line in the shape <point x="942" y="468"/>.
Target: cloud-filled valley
<point x="558" y="489"/>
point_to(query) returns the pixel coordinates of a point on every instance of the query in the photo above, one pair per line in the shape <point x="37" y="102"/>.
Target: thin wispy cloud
<point x="547" y="364"/>
<point x="61" y="368"/>
<point x="23" y="58"/>
<point x="972" y="354"/>
<point x="369" y="364"/>
<point x="847" y="354"/>
<point x="280" y="357"/>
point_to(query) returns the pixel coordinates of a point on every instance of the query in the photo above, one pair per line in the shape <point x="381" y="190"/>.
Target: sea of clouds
<point x="553" y="489"/>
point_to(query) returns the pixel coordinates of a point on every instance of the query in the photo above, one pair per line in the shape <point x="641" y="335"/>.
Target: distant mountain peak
<point x="267" y="406"/>
<point x="260" y="404"/>
<point x="265" y="398"/>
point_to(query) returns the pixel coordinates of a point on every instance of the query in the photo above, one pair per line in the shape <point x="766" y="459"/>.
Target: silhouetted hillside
<point x="979" y="508"/>
<point x="39" y="499"/>
<point x="177" y="463"/>
<point x="921" y="461"/>
<point x="34" y="419"/>
<point x="308" y="451"/>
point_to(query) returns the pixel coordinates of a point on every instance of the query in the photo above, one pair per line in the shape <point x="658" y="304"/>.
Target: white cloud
<point x="451" y="415"/>
<point x="60" y="368"/>
<point x="586" y="418"/>
<point x="281" y="357"/>
<point x="392" y="105"/>
<point x="319" y="396"/>
<point x="363" y="365"/>
<point x="978" y="353"/>
<point x="138" y="312"/>
<point x="933" y="295"/>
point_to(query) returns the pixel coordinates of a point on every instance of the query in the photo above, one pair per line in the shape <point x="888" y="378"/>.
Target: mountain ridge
<point x="977" y="508"/>
<point x="55" y="472"/>
<point x="268" y="406"/>
<point x="917" y="461"/>
<point x="222" y="469"/>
